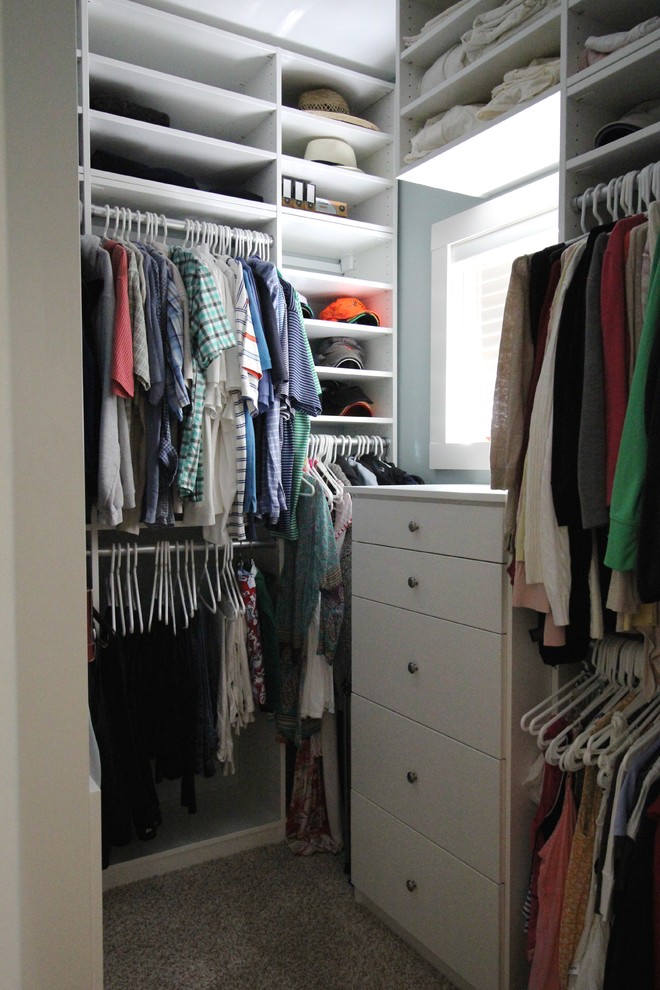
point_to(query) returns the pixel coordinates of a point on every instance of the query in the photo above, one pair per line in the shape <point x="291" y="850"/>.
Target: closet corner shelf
<point x="176" y="201"/>
<point x="458" y="166"/>
<point x="474" y="83"/>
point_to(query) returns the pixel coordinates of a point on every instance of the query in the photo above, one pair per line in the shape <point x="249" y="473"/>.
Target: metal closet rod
<point x="135" y="216"/>
<point x="649" y="175"/>
<point x="238" y="545"/>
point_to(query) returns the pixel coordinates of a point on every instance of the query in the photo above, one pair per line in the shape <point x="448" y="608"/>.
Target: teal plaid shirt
<point x="210" y="334"/>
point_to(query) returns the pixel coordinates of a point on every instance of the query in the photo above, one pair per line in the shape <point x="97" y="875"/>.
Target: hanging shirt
<point x="210" y="333"/>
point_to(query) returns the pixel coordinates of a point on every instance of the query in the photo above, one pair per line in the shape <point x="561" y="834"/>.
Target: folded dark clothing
<point x="107" y="161"/>
<point x="109" y="103"/>
<point x="238" y="191"/>
<point x="338" y="399"/>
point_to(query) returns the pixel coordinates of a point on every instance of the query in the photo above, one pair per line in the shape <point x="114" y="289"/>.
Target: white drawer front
<point x="429" y="781"/>
<point x="438" y="527"/>
<point x="455" y="681"/>
<point x="451" y="909"/>
<point x="454" y="588"/>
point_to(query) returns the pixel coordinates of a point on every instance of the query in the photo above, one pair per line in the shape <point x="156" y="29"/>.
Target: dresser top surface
<point x="466" y="494"/>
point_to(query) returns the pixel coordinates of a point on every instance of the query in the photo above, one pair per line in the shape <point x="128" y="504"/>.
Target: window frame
<point x="526" y="202"/>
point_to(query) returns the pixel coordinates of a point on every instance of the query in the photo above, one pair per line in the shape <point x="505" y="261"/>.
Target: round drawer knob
<point x="413" y="526"/>
<point x="412" y="582"/>
<point x="411" y="885"/>
<point x="413" y="667"/>
<point x="411" y="777"/>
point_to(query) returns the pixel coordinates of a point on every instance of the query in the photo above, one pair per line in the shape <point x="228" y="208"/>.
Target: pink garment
<point x="122" y="382"/>
<point x="554" y="855"/>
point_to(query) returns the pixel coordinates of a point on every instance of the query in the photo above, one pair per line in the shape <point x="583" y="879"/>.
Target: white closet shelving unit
<point x="232" y="104"/>
<point x="234" y="123"/>
<point x="600" y="94"/>
<point x="475" y="173"/>
<point x="587" y="98"/>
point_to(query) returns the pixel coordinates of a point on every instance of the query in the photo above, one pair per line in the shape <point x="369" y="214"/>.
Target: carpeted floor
<point x="262" y="920"/>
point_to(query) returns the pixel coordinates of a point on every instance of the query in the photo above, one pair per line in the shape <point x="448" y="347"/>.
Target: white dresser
<point x="442" y="672"/>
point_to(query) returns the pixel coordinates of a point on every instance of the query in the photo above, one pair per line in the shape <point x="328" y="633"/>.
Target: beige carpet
<point x="261" y="920"/>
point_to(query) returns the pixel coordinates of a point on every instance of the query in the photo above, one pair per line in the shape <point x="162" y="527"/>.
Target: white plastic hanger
<point x="179" y="585"/>
<point x="586" y="200"/>
<point x="136" y="588"/>
<point x="205" y="579"/>
<point x="191" y="578"/>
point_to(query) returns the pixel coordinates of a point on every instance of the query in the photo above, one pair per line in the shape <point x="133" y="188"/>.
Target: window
<point x="472" y="255"/>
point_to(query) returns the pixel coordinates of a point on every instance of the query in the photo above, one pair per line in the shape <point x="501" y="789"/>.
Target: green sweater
<point x="631" y="463"/>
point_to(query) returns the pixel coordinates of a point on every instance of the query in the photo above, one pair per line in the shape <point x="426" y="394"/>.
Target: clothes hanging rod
<point x="151" y="550"/>
<point x="644" y="182"/>
<point x="138" y="216"/>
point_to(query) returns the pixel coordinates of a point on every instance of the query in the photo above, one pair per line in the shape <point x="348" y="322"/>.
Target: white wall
<point x="45" y="869"/>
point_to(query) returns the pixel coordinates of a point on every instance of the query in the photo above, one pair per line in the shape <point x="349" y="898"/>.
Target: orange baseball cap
<point x="347" y="310"/>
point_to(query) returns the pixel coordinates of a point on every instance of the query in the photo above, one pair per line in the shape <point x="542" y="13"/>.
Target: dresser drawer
<point x="440" y="673"/>
<point x="454" y="588"/>
<point x="438" y="527"/>
<point x="427" y="780"/>
<point x="451" y="909"/>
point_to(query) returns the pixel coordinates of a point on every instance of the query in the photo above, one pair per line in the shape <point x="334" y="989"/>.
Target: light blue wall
<point x="419" y="208"/>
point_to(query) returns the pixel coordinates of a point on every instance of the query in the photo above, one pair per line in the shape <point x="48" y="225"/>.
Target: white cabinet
<point x="442" y="672"/>
<point x="601" y="93"/>
<point x="235" y="130"/>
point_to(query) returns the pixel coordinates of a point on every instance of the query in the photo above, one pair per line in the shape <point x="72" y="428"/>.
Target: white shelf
<point x="192" y="106"/>
<point x="615" y="16"/>
<point x="175" y="45"/>
<point x="319" y="285"/>
<point x="446" y="33"/>
<point x="359" y="374"/>
<point x="299" y="127"/>
<point x="621" y="59"/>
<point x="365" y="421"/>
<point x="176" y="201"/>
<point x="335" y="182"/>
<point x="618" y="157"/>
<point x="459" y="166"/>
<point x="208" y="160"/>
<point x="474" y="83"/>
<point x="301" y="73"/>
<point x="318" y="329"/>
<point x="318" y="235"/>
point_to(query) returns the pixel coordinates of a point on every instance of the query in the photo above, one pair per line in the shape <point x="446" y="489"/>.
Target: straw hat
<point x="330" y="103"/>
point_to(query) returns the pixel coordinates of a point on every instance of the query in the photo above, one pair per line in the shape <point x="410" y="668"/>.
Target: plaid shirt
<point x="210" y="334"/>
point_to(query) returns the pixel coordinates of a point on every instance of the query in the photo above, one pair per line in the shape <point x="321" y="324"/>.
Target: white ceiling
<point x="358" y="33"/>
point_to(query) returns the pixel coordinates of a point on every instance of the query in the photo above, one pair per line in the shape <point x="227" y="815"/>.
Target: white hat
<point x="332" y="151"/>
